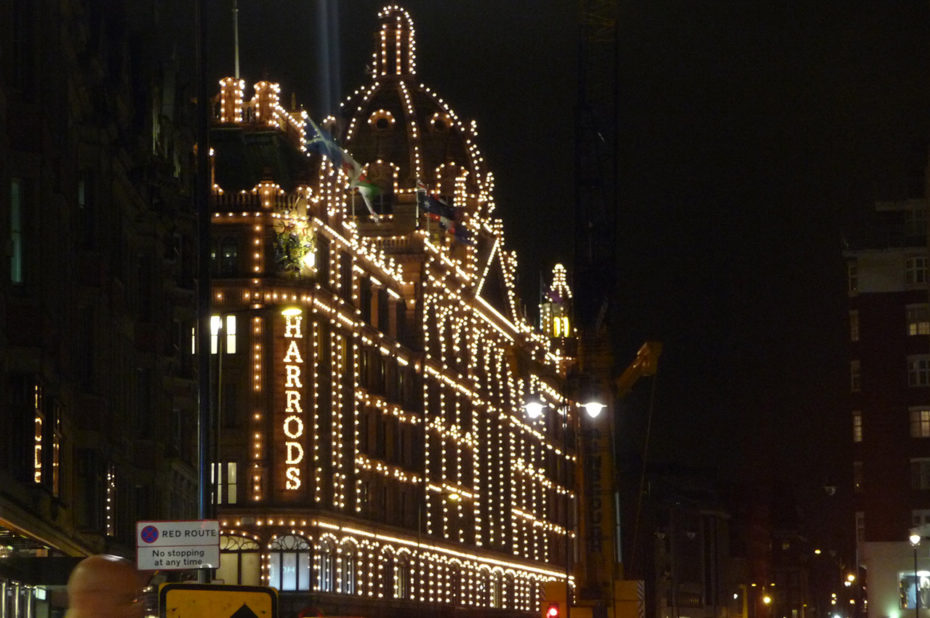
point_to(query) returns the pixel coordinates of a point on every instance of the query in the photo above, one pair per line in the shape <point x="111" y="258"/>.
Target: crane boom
<point x="645" y="364"/>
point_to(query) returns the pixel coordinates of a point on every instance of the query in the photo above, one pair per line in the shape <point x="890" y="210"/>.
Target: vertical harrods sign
<point x="290" y="370"/>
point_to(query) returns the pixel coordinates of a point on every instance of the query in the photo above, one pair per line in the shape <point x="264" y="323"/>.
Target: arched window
<point x="484" y="588"/>
<point x="289" y="563"/>
<point x="496" y="593"/>
<point x="347" y="569"/>
<point x="510" y="596"/>
<point x="387" y="574"/>
<point x="402" y="577"/>
<point x="455" y="584"/>
<point x="240" y="561"/>
<point x="327" y="566"/>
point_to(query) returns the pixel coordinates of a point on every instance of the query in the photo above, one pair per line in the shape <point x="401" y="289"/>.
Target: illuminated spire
<point x="396" y="50"/>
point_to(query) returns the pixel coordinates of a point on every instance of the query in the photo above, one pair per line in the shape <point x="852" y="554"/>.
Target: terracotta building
<point x="373" y="360"/>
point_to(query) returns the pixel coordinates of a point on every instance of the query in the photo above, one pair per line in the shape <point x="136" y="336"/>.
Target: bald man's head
<point x="104" y="587"/>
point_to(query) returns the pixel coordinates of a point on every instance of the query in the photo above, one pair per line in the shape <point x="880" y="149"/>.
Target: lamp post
<point x="915" y="543"/>
<point x="534" y="408"/>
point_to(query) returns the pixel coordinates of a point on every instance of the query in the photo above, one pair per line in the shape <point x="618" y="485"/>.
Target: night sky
<point x="751" y="135"/>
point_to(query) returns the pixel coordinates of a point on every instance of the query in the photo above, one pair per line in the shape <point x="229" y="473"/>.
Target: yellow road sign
<point x="216" y="601"/>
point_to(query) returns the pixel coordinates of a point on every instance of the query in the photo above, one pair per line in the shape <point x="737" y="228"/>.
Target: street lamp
<point x="535" y="407"/>
<point x="915" y="543"/>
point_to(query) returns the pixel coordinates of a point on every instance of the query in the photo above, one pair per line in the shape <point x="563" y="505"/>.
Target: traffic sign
<point x="176" y="600"/>
<point x="177" y="545"/>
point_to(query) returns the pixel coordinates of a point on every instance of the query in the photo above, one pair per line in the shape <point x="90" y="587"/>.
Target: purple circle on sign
<point x="149" y="534"/>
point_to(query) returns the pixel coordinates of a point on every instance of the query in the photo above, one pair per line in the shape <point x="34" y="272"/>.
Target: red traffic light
<point x="553" y="611"/>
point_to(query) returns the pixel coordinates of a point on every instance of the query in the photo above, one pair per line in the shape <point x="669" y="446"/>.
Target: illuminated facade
<point x="374" y="455"/>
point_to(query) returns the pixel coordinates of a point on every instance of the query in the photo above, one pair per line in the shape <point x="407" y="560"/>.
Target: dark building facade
<point x="96" y="292"/>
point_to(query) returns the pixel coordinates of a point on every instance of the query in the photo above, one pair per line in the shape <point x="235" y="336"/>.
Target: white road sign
<point x="177" y="545"/>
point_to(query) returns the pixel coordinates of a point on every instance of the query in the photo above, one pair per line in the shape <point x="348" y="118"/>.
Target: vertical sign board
<point x="216" y="601"/>
<point x="177" y="545"/>
<point x="289" y="403"/>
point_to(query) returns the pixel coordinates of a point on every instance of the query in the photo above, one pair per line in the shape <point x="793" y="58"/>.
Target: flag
<point x="459" y="231"/>
<point x="319" y="141"/>
<point x="433" y="205"/>
<point x="368" y="190"/>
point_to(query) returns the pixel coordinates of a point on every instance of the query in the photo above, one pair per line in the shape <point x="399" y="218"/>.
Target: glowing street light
<point x="914" y="540"/>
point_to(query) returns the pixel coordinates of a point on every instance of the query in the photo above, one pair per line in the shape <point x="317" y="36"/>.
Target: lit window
<point x="857" y="477"/>
<point x="857" y="425"/>
<point x="226" y="325"/>
<point x="855" y="376"/>
<point x="920" y="422"/>
<point x="918" y="370"/>
<point x="918" y="319"/>
<point x="240" y="561"/>
<point x="289" y="563"/>
<point x="920" y="473"/>
<point x="224" y="480"/>
<point x="915" y="269"/>
<point x="854" y="325"/>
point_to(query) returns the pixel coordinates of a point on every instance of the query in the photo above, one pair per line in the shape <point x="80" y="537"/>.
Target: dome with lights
<point x="405" y="134"/>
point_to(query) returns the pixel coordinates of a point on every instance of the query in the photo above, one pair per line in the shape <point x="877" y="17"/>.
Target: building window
<point x="224" y="479"/>
<point x="240" y="561"/>
<point x="915" y="222"/>
<point x="229" y="257"/>
<point x="857" y="425"/>
<point x="857" y="477"/>
<point x="918" y="370"/>
<point x="227" y="326"/>
<point x="855" y="376"/>
<point x="347" y="569"/>
<point x="920" y="517"/>
<point x="496" y="592"/>
<point x="327" y="567"/>
<point x="860" y="527"/>
<point x="920" y="473"/>
<point x="920" y="422"/>
<point x="918" y="319"/>
<point x="915" y="269"/>
<point x="852" y="277"/>
<point x="289" y="563"/>
<point x="402" y="577"/>
<point x="16" y="231"/>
